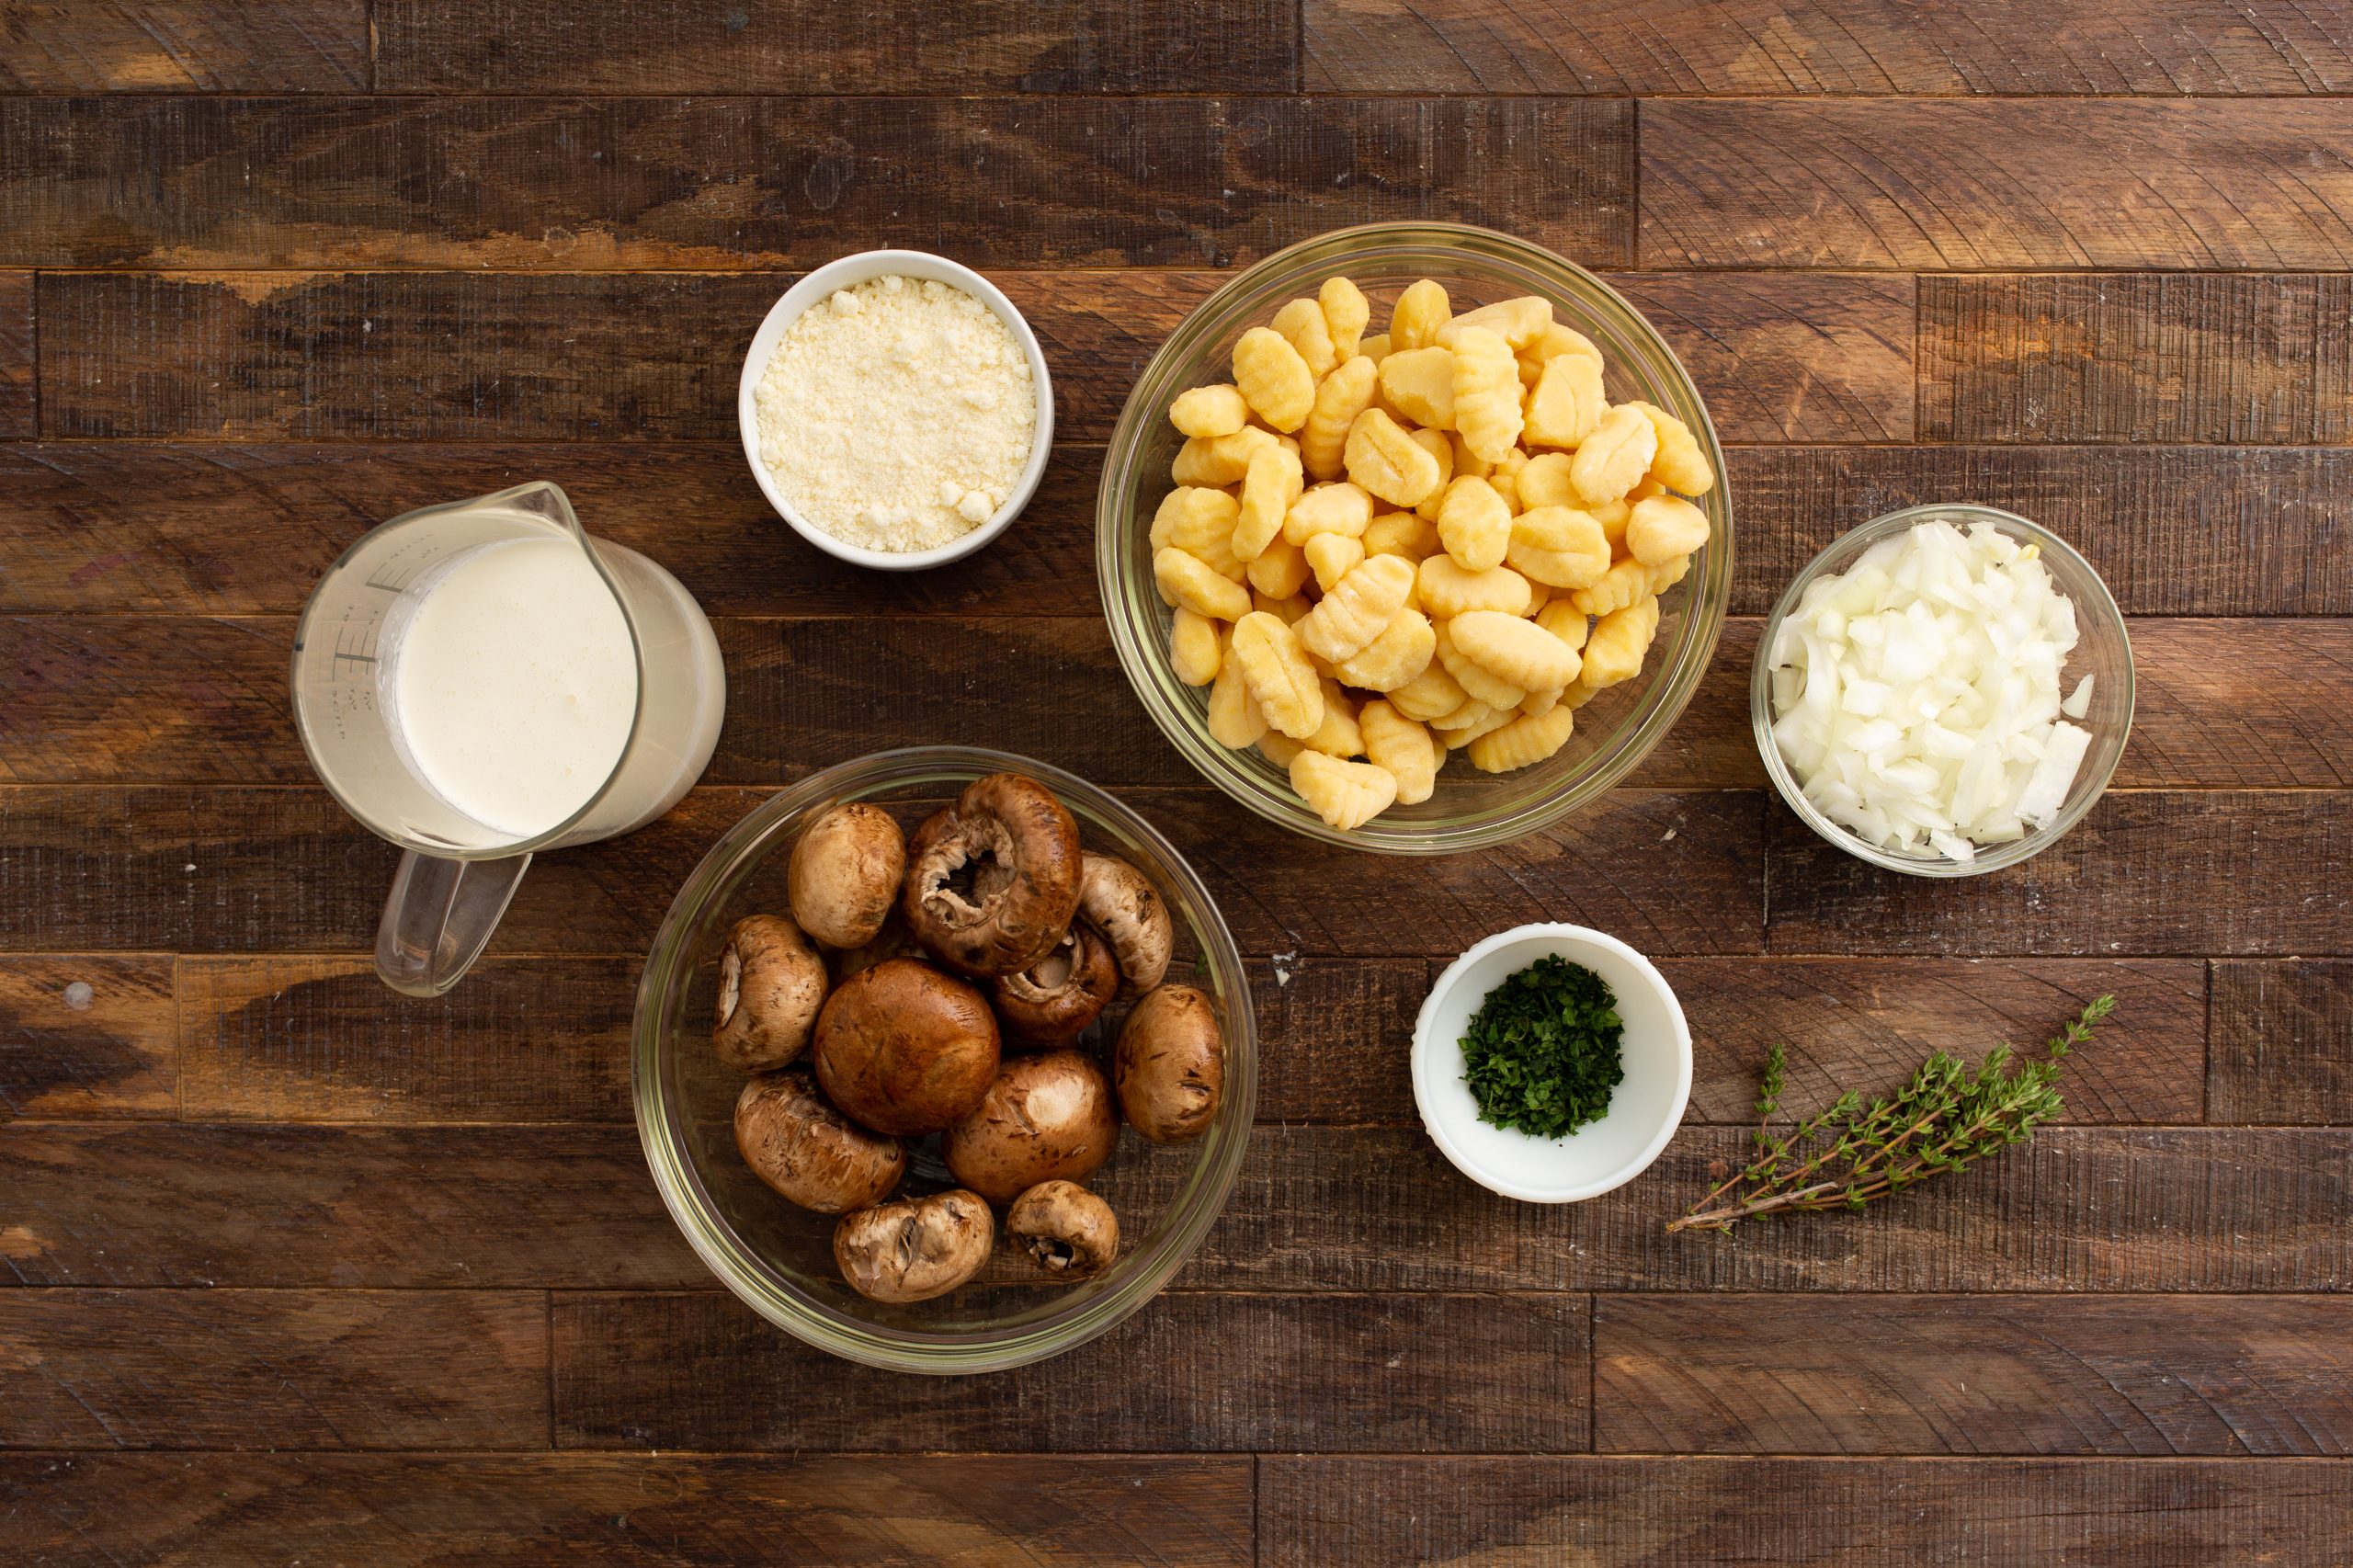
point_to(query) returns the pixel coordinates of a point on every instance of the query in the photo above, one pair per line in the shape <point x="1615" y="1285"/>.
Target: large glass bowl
<point x="2102" y="650"/>
<point x="779" y="1258"/>
<point x="1477" y="266"/>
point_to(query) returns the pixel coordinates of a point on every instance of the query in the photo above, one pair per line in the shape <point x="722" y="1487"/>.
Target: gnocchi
<point x="1382" y="548"/>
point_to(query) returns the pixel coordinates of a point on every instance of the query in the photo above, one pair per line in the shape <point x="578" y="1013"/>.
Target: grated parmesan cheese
<point x="897" y="415"/>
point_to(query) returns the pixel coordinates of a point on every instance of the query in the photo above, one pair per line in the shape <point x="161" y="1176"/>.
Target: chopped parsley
<point x="1542" y="1054"/>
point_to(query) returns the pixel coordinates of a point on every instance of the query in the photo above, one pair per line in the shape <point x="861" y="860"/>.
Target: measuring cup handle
<point x="438" y="918"/>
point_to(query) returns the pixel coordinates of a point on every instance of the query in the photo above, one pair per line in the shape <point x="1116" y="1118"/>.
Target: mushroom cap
<point x="903" y="1049"/>
<point x="1045" y="1117"/>
<point x="892" y="941"/>
<point x="1067" y="1231"/>
<point x="992" y="880"/>
<point x="1120" y="902"/>
<point x="808" y="1150"/>
<point x="1052" y="1001"/>
<point x="916" y="1248"/>
<point x="771" y="983"/>
<point x="1170" y="1064"/>
<point x="844" y="873"/>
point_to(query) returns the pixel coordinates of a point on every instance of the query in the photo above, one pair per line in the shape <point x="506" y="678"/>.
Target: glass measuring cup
<point x="458" y="874"/>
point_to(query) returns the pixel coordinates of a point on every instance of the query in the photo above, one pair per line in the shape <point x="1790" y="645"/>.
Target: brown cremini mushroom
<point x="844" y="873"/>
<point x="771" y="983"/>
<point x="1170" y="1064"/>
<point x="903" y="1049"/>
<point x="894" y="941"/>
<point x="1052" y="1001"/>
<point x="992" y="880"/>
<point x="1120" y="902"/>
<point x="1066" y="1230"/>
<point x="808" y="1150"/>
<point x="1046" y="1117"/>
<point x="915" y="1249"/>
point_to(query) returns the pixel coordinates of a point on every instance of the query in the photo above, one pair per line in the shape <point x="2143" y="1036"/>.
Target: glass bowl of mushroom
<point x="721" y="1076"/>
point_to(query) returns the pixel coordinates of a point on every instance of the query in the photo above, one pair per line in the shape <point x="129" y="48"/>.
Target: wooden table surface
<point x="308" y="1272"/>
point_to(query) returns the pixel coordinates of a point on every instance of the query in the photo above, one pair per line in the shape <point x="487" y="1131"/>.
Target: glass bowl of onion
<point x="1944" y="691"/>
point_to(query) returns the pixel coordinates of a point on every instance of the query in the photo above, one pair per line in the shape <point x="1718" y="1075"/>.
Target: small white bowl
<point x="1644" y="1111"/>
<point x="842" y="274"/>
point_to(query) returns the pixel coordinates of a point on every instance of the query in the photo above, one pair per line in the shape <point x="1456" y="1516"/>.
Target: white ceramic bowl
<point x="1643" y="1112"/>
<point x="843" y="274"/>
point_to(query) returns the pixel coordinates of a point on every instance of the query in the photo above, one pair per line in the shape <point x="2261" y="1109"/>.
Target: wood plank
<point x="863" y="1511"/>
<point x="264" y="870"/>
<point x="2197" y="530"/>
<point x="2114" y="182"/>
<point x="1336" y="1033"/>
<point x="87" y="1036"/>
<point x="335" y="1208"/>
<point x="218" y="529"/>
<point x="321" y="1039"/>
<point x="1657" y="48"/>
<point x="1973" y="1375"/>
<point x="1316" y="1209"/>
<point x="2223" y="704"/>
<point x="2282" y="1041"/>
<point x="18" y="411"/>
<point x="545" y="1039"/>
<point x="572" y="356"/>
<point x="1685" y="1512"/>
<point x="2147" y="871"/>
<point x="808" y="46"/>
<point x="1812" y="357"/>
<point x="2175" y="356"/>
<point x="776" y="181"/>
<point x="2078" y="1208"/>
<point x="184" y="46"/>
<point x="702" y="1371"/>
<point x="224" y="530"/>
<point x="274" y="1368"/>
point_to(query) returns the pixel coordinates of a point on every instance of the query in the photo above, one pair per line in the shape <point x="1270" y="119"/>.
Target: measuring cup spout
<point x="438" y="918"/>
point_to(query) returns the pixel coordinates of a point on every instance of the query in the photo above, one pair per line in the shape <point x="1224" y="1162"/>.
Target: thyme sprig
<point x="1846" y="1156"/>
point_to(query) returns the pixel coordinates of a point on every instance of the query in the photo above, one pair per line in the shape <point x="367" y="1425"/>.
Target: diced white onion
<point x="1916" y="695"/>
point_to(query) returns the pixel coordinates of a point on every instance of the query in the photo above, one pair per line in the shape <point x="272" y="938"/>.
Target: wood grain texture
<point x="335" y="1208"/>
<point x="1337" y="1032"/>
<point x="572" y="356"/>
<point x="2194" y="530"/>
<point x="2222" y="704"/>
<point x="731" y="182"/>
<point x="317" y="1039"/>
<point x="2215" y="872"/>
<point x="1964" y="185"/>
<point x="2282" y="1041"/>
<point x="184" y="46"/>
<point x="1316" y="1209"/>
<point x="17" y="409"/>
<point x="633" y="1511"/>
<point x="1706" y="1513"/>
<point x="2078" y="1208"/>
<point x="1404" y="1373"/>
<point x="1782" y="358"/>
<point x="264" y="870"/>
<point x="1774" y="48"/>
<point x="2175" y="356"/>
<point x="271" y="1369"/>
<point x="809" y="46"/>
<point x="225" y="528"/>
<point x="94" y="527"/>
<point x="2265" y="1375"/>
<point x="87" y="1036"/>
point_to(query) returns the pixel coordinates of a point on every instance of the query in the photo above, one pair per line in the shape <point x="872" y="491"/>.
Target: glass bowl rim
<point x="1707" y="603"/>
<point x="1853" y="541"/>
<point x="1210" y="1182"/>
